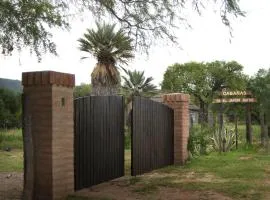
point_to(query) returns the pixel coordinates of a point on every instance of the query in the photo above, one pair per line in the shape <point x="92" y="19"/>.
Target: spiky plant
<point x="109" y="47"/>
<point x="136" y="84"/>
<point x="223" y="141"/>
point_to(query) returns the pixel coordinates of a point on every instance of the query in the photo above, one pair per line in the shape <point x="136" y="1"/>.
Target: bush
<point x="224" y="139"/>
<point x="127" y="138"/>
<point x="199" y="140"/>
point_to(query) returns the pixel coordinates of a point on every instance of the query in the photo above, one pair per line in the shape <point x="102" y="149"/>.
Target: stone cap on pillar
<point x="48" y="78"/>
<point x="175" y="97"/>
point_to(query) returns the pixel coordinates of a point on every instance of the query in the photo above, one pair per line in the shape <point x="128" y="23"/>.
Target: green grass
<point x="11" y="161"/>
<point x="127" y="162"/>
<point x="239" y="174"/>
<point x="11" y="138"/>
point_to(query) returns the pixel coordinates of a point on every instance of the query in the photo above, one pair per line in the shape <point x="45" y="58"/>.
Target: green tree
<point x="10" y="109"/>
<point x="108" y="47"/>
<point x="203" y="81"/>
<point x="260" y="85"/>
<point x="28" y="22"/>
<point x="136" y="84"/>
<point x="82" y="90"/>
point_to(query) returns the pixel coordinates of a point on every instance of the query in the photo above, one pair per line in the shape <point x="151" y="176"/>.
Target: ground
<point x="11" y="185"/>
<point x="239" y="174"/>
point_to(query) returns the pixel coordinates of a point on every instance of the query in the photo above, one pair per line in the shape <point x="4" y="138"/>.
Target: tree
<point x="135" y="84"/>
<point x="28" y="23"/>
<point x="10" y="109"/>
<point x="203" y="81"/>
<point x="259" y="85"/>
<point x="108" y="47"/>
<point x="82" y="90"/>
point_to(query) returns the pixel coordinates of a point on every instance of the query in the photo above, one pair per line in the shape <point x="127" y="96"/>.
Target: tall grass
<point x="11" y="139"/>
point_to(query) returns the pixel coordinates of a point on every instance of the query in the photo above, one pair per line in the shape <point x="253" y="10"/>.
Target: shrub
<point x="199" y="140"/>
<point x="223" y="139"/>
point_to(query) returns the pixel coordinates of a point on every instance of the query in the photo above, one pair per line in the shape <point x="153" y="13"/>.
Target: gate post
<point x="180" y="104"/>
<point x="48" y="135"/>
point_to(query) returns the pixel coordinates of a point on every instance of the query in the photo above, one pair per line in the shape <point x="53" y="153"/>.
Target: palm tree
<point x="135" y="84"/>
<point x="109" y="48"/>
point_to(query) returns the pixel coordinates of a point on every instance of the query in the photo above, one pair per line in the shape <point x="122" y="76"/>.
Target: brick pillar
<point x="180" y="104"/>
<point x="48" y="135"/>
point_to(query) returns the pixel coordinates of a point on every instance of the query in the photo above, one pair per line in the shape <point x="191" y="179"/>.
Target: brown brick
<point x="52" y="129"/>
<point x="179" y="102"/>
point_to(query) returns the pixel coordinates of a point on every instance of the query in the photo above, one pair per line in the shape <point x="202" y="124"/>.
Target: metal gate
<point x="152" y="136"/>
<point x="99" y="139"/>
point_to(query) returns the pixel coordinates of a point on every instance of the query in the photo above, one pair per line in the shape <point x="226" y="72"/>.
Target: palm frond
<point x="107" y="45"/>
<point x="135" y="84"/>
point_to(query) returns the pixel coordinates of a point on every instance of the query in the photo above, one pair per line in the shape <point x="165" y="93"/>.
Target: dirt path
<point x="119" y="189"/>
<point x="11" y="185"/>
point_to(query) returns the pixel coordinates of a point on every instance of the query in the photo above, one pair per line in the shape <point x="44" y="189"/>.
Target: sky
<point x="207" y="41"/>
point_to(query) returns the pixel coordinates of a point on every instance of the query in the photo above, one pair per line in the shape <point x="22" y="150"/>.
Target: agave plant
<point x="109" y="47"/>
<point x="223" y="139"/>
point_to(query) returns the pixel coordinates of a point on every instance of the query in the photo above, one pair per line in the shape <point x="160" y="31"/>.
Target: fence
<point x="152" y="136"/>
<point x="99" y="139"/>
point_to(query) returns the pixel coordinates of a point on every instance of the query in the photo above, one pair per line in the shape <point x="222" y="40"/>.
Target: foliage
<point x="203" y="80"/>
<point x="136" y="84"/>
<point x="82" y="90"/>
<point x="260" y="85"/>
<point x="106" y="45"/>
<point x="28" y="23"/>
<point x="10" y="109"/>
<point x="223" y="140"/>
<point x="199" y="140"/>
<point x="109" y="47"/>
<point x="128" y="141"/>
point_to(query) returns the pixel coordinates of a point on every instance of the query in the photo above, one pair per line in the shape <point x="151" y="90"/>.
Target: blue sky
<point x="208" y="40"/>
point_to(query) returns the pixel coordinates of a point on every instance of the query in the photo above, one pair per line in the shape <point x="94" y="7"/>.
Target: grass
<point x="11" y="161"/>
<point x="11" y="139"/>
<point x="239" y="174"/>
<point x="127" y="162"/>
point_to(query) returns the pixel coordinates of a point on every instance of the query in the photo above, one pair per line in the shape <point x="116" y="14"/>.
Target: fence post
<point x="180" y="104"/>
<point x="48" y="135"/>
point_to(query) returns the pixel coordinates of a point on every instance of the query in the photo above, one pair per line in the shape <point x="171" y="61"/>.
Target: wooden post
<point x="248" y="124"/>
<point x="236" y="130"/>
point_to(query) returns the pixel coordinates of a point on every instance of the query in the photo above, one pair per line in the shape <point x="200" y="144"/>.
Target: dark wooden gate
<point x="152" y="136"/>
<point x="99" y="139"/>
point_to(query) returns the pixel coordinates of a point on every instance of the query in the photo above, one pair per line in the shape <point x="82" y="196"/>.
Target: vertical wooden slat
<point x="152" y="136"/>
<point x="99" y="140"/>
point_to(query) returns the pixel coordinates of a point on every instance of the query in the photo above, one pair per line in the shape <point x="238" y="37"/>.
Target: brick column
<point x="48" y="135"/>
<point x="180" y="104"/>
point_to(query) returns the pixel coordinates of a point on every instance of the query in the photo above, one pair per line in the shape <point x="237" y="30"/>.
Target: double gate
<point x="99" y="138"/>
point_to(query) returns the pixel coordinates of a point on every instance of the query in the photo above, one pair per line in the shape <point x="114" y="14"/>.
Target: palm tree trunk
<point x="100" y="90"/>
<point x="105" y="80"/>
